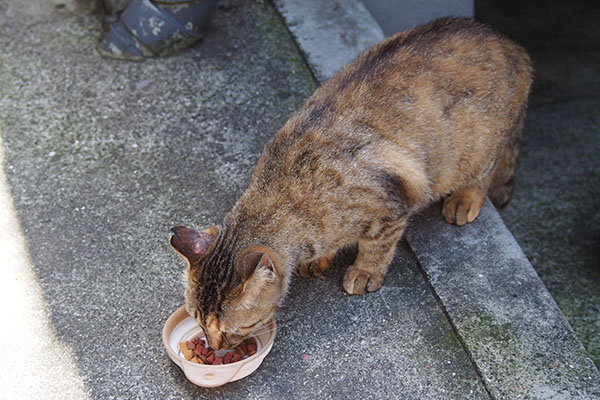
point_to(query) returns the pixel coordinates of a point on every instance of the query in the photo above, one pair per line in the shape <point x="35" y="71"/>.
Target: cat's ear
<point x="251" y="260"/>
<point x="192" y="244"/>
<point x="258" y="267"/>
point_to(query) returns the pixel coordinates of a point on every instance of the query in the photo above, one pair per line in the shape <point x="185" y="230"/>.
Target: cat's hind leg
<point x="314" y="268"/>
<point x="375" y="254"/>
<point x="464" y="205"/>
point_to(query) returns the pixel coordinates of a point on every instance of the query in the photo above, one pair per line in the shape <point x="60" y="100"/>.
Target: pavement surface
<point x="100" y="158"/>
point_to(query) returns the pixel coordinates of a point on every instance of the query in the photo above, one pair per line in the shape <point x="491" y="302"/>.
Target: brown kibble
<point x="195" y="350"/>
<point x="210" y="358"/>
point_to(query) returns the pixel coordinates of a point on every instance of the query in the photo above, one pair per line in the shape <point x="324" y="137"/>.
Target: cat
<point x="430" y="113"/>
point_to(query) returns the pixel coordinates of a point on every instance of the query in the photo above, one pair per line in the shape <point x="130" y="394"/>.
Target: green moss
<point x="491" y="340"/>
<point x="482" y="328"/>
<point x="492" y="330"/>
<point x="449" y="341"/>
<point x="279" y="42"/>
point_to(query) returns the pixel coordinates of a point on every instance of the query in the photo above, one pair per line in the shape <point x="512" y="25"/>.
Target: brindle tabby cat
<point x="434" y="112"/>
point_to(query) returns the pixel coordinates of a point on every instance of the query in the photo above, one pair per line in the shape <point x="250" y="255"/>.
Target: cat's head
<point x="232" y="293"/>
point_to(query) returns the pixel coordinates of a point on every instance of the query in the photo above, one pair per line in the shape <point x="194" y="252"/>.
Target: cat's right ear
<point x="192" y="244"/>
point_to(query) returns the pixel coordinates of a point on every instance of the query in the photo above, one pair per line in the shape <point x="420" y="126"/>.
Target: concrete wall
<point x="396" y="15"/>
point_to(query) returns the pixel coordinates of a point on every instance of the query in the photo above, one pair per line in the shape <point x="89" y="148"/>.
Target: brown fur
<point x="434" y="112"/>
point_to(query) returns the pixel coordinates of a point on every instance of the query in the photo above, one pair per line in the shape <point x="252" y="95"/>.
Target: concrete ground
<point x="101" y="157"/>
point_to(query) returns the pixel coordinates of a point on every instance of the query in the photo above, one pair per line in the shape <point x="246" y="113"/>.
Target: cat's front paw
<point x="315" y="268"/>
<point x="357" y="281"/>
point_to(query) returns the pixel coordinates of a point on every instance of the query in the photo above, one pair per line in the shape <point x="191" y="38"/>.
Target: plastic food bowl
<point x="181" y="327"/>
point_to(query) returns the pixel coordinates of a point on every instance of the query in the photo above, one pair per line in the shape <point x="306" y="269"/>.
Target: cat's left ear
<point x="259" y="268"/>
<point x="192" y="244"/>
<point x="255" y="258"/>
<point x="250" y="260"/>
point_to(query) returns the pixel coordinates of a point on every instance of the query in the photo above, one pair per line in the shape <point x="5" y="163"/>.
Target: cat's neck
<point x="250" y="225"/>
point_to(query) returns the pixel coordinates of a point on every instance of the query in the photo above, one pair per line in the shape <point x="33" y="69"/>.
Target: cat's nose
<point x="215" y="341"/>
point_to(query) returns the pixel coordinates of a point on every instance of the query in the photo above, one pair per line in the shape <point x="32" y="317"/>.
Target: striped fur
<point x="428" y="114"/>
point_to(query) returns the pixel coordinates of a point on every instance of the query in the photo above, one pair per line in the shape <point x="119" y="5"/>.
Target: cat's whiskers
<point x="265" y="328"/>
<point x="224" y="338"/>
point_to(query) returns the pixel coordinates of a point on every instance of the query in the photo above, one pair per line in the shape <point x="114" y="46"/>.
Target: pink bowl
<point x="181" y="327"/>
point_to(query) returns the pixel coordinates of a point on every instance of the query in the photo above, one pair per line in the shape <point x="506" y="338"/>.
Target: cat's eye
<point x="250" y="326"/>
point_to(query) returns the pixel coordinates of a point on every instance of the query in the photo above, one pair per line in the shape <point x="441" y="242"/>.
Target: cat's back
<point x="417" y="117"/>
<point x="450" y="71"/>
<point x="444" y="49"/>
<point x="428" y="98"/>
<point x="426" y="72"/>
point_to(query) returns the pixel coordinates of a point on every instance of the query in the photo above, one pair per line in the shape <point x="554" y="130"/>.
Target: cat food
<point x="197" y="351"/>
